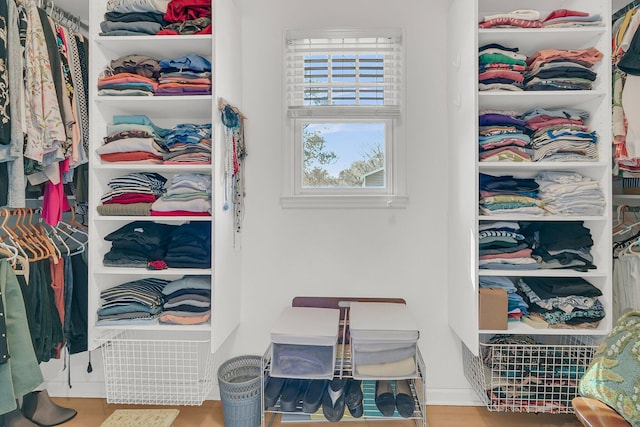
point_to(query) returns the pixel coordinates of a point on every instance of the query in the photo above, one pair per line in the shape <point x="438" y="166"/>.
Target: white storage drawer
<point x="383" y="340"/>
<point x="383" y="359"/>
<point x="303" y="361"/>
<point x="304" y="343"/>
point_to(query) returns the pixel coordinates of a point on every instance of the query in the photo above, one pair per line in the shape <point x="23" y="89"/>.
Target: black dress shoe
<point x="404" y="399"/>
<point x="385" y="401"/>
<point x="333" y="399"/>
<point x="313" y="396"/>
<point x="292" y="394"/>
<point x="353" y="398"/>
<point x="272" y="390"/>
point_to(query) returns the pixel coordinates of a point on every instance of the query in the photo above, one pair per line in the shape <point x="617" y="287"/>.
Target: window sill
<point x="344" y="202"/>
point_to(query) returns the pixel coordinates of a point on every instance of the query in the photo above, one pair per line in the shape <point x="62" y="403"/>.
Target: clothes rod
<point x="63" y="16"/>
<point x="620" y="12"/>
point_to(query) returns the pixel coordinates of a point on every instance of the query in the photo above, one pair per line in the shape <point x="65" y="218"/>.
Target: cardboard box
<point x="493" y="308"/>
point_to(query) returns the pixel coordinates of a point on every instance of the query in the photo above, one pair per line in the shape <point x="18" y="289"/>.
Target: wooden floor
<point x="92" y="412"/>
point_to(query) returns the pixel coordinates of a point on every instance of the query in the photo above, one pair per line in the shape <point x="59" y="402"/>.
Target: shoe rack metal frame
<point x="343" y="366"/>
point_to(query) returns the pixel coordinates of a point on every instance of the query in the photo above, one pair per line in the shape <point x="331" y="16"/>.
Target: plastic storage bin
<point x="304" y="342"/>
<point x="383" y="340"/>
<point x="383" y="359"/>
<point x="239" y="380"/>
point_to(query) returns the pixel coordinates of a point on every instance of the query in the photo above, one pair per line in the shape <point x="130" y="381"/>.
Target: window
<point x="344" y="91"/>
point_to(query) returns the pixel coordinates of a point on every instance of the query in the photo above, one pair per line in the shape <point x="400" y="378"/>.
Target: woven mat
<point x="141" y="418"/>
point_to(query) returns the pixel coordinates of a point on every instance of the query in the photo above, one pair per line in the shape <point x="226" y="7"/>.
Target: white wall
<point x="372" y="253"/>
<point x="333" y="252"/>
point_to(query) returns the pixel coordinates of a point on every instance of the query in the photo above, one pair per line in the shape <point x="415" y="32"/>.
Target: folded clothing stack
<point x="188" y="17"/>
<point x="137" y="243"/>
<point x="560" y="135"/>
<point x="562" y="69"/>
<point x="189" y="143"/>
<point x="156" y="17"/>
<point x="507" y="194"/>
<point x="132" y="194"/>
<point x="383" y="340"/>
<point x="138" y="301"/>
<point x="133" y="138"/>
<point x="187" y="301"/>
<point x="185" y="75"/>
<point x="571" y="18"/>
<point x="502" y="246"/>
<point x="189" y="194"/>
<point x="500" y="68"/>
<point x="133" y="18"/>
<point x="130" y="75"/>
<point x="562" y="302"/>
<point x="502" y="137"/>
<point x="190" y="246"/>
<point x="569" y="193"/>
<point x="560" y="245"/>
<point x="140" y="75"/>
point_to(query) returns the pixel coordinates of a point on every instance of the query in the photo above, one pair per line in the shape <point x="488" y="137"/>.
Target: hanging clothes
<point x="626" y="83"/>
<point x="5" y="113"/>
<point x="44" y="104"/>
<point x="11" y="158"/>
<point x="21" y="374"/>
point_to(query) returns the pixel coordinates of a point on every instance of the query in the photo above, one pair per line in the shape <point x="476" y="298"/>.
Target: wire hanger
<point x="66" y="235"/>
<point x="17" y="240"/>
<point x="9" y="236"/>
<point x="622" y="11"/>
<point x="625" y="222"/>
<point x="11" y="252"/>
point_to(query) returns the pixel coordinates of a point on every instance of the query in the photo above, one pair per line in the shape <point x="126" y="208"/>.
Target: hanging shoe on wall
<point x="39" y="408"/>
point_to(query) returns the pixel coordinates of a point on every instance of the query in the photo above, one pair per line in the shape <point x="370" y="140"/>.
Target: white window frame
<point x="393" y="194"/>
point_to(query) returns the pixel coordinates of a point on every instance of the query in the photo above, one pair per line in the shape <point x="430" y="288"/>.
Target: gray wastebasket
<point x="239" y="380"/>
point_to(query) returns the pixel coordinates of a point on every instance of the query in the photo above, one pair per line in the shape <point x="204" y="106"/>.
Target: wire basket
<point x="540" y="378"/>
<point x="156" y="371"/>
<point x="240" y="385"/>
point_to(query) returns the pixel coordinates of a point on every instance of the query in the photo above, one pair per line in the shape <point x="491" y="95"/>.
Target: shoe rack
<point x="344" y="369"/>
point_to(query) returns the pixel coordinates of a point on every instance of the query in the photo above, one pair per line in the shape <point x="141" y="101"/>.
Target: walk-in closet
<point x="196" y="189"/>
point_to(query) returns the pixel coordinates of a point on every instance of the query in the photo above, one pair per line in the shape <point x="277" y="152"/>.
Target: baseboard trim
<point x="78" y="390"/>
<point x="452" y="397"/>
<point x="435" y="396"/>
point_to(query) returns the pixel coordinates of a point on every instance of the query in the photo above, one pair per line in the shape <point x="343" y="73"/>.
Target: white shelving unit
<point x="465" y="101"/>
<point x="166" y="111"/>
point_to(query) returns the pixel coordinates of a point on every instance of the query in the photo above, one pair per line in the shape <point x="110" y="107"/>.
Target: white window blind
<point x="344" y="73"/>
